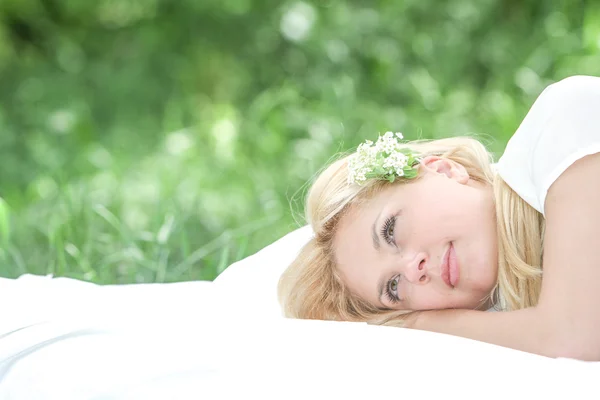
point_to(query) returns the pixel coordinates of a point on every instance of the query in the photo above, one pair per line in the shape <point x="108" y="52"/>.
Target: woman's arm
<point x="520" y="330"/>
<point x="566" y="321"/>
<point x="570" y="297"/>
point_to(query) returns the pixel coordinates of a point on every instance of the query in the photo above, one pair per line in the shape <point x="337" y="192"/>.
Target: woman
<point x="430" y="235"/>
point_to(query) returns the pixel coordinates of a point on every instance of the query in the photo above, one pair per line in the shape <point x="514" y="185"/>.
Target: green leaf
<point x="4" y="222"/>
<point x="410" y="173"/>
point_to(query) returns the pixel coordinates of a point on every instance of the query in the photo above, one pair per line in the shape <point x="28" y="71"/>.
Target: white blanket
<point x="65" y="339"/>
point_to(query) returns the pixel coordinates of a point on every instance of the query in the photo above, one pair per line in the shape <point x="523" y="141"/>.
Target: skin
<point x="443" y="206"/>
<point x="566" y="321"/>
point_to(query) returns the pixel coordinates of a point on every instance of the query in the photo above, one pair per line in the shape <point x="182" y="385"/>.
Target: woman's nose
<point x="416" y="270"/>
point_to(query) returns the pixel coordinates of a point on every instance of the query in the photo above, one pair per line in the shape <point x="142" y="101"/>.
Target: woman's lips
<point x="453" y="266"/>
<point x="449" y="269"/>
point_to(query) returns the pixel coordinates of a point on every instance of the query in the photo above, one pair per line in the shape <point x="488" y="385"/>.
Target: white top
<point x="562" y="126"/>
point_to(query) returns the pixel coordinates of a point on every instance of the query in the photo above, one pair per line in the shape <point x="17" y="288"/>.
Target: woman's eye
<point x="388" y="231"/>
<point x="392" y="290"/>
<point x="394" y="285"/>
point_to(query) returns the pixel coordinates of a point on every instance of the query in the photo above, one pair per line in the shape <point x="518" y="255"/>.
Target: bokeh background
<point x="162" y="140"/>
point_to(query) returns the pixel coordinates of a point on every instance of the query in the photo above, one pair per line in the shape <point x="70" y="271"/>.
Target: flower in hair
<point x="385" y="159"/>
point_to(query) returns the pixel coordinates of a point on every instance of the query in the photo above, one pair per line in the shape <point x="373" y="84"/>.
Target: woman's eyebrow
<point x="380" y="286"/>
<point x="374" y="235"/>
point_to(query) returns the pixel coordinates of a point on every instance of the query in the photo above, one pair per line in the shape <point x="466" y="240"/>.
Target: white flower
<point x="385" y="159"/>
<point x="396" y="163"/>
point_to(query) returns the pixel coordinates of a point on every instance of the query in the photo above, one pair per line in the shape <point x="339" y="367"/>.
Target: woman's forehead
<point x="354" y="230"/>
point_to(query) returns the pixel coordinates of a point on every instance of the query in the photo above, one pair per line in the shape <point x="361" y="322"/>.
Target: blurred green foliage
<point x="158" y="140"/>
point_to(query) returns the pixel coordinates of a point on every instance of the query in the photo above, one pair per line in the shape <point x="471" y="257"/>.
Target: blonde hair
<point x="311" y="287"/>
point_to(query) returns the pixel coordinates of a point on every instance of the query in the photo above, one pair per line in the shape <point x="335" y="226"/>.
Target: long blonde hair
<point x="311" y="287"/>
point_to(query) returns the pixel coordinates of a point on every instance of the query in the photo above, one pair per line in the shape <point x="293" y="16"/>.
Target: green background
<point x="162" y="140"/>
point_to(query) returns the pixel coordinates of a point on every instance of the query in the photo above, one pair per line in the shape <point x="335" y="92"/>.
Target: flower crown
<point x="384" y="160"/>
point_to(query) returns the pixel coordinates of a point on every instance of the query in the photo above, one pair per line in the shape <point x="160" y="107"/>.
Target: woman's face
<point x="428" y="244"/>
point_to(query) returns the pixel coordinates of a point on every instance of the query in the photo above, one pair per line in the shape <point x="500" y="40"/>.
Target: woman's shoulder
<point x="577" y="84"/>
<point x="566" y="110"/>
<point x="562" y="126"/>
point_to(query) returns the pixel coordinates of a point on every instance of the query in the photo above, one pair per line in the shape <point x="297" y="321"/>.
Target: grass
<point x="164" y="145"/>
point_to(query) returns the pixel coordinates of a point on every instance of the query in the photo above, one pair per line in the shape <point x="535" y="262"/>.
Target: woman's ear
<point x="444" y="166"/>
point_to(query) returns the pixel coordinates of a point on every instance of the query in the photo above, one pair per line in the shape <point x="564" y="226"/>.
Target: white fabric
<point x="562" y="126"/>
<point x="33" y="298"/>
<point x="66" y="339"/>
<point x="175" y="341"/>
<point x="252" y="282"/>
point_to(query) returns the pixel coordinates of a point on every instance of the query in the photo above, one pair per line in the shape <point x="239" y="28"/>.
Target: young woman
<point x="431" y="234"/>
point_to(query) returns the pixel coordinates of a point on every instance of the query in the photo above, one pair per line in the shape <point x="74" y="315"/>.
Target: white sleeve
<point x="562" y="126"/>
